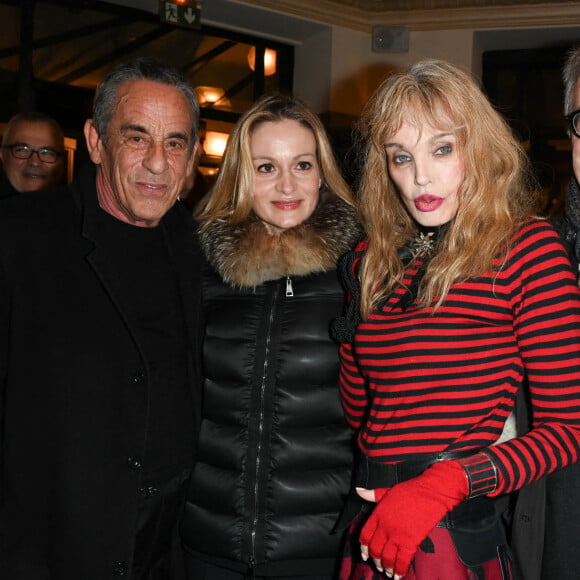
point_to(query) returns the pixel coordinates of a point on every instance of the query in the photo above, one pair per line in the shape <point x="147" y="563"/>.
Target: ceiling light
<point x="214" y="143"/>
<point x="269" y="60"/>
<point x="209" y="95"/>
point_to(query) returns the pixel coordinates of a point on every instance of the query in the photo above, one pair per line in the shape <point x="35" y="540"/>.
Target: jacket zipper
<point x="273" y="309"/>
<point x="250" y="574"/>
<point x="261" y="430"/>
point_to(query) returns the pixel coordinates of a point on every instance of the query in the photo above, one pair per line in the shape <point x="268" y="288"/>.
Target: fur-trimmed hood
<point x="246" y="255"/>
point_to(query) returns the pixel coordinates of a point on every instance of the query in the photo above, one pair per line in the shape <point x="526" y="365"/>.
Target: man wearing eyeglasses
<point x="561" y="559"/>
<point x="32" y="154"/>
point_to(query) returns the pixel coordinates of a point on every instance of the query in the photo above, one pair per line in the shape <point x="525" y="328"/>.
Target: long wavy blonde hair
<point x="232" y="197"/>
<point x="494" y="198"/>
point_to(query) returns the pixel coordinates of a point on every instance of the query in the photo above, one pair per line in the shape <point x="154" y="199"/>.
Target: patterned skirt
<point x="436" y="559"/>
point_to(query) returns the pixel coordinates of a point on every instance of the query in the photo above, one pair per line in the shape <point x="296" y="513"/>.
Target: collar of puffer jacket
<point x="246" y="255"/>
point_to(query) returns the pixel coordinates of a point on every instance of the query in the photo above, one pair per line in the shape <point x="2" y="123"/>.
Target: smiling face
<point x="33" y="174"/>
<point x="286" y="173"/>
<point x="427" y="169"/>
<point x="146" y="157"/>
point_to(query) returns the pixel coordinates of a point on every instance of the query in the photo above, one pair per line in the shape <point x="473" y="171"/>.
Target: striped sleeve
<point x="546" y="304"/>
<point x="352" y="389"/>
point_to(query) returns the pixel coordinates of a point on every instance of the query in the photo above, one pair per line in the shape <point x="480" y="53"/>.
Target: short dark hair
<point x="146" y="69"/>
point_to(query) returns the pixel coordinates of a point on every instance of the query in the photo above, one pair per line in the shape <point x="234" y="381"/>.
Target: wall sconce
<point x="208" y="171"/>
<point x="269" y="60"/>
<point x="209" y="95"/>
<point x="214" y="143"/>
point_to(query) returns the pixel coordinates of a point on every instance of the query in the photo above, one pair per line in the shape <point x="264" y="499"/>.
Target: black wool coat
<point x="562" y="502"/>
<point x="74" y="388"/>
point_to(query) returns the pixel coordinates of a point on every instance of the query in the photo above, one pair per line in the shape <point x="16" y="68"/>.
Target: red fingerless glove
<point x="409" y="511"/>
<point x="380" y="492"/>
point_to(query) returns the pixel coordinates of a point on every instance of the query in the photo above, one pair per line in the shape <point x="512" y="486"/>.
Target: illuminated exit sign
<point x="186" y="13"/>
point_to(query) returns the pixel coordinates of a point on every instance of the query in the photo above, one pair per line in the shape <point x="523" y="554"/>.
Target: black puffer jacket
<point x="275" y="455"/>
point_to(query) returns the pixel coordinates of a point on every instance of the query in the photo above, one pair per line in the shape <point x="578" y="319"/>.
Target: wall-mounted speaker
<point x="390" y="39"/>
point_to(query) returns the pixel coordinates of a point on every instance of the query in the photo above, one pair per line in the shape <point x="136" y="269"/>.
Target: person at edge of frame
<point x="560" y="557"/>
<point x="99" y="311"/>
<point x="32" y="154"/>
<point x="460" y="299"/>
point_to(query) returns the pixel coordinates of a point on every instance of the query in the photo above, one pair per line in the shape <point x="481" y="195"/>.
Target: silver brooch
<point x="424" y="244"/>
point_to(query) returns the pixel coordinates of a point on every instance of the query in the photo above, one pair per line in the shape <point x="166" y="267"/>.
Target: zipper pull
<point x="289" y="291"/>
<point x="250" y="574"/>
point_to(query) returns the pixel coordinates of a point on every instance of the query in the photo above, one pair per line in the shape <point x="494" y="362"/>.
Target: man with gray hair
<point x="560" y="558"/>
<point x="32" y="154"/>
<point x="98" y="344"/>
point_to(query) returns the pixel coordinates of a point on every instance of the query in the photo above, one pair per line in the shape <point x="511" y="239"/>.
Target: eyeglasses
<point x="574" y="119"/>
<point x="45" y="154"/>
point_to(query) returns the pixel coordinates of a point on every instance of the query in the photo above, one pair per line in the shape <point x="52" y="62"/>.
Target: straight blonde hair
<point x="232" y="197"/>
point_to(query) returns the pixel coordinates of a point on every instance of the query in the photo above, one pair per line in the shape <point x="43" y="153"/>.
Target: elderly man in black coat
<point x="98" y="305"/>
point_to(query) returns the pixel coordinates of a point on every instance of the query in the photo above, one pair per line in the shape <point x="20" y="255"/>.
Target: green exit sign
<point x="181" y="13"/>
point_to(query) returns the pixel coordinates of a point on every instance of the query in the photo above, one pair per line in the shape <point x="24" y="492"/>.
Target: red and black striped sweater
<point x="414" y="381"/>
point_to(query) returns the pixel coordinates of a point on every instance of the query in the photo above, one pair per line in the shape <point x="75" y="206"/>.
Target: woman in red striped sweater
<point x="458" y="298"/>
